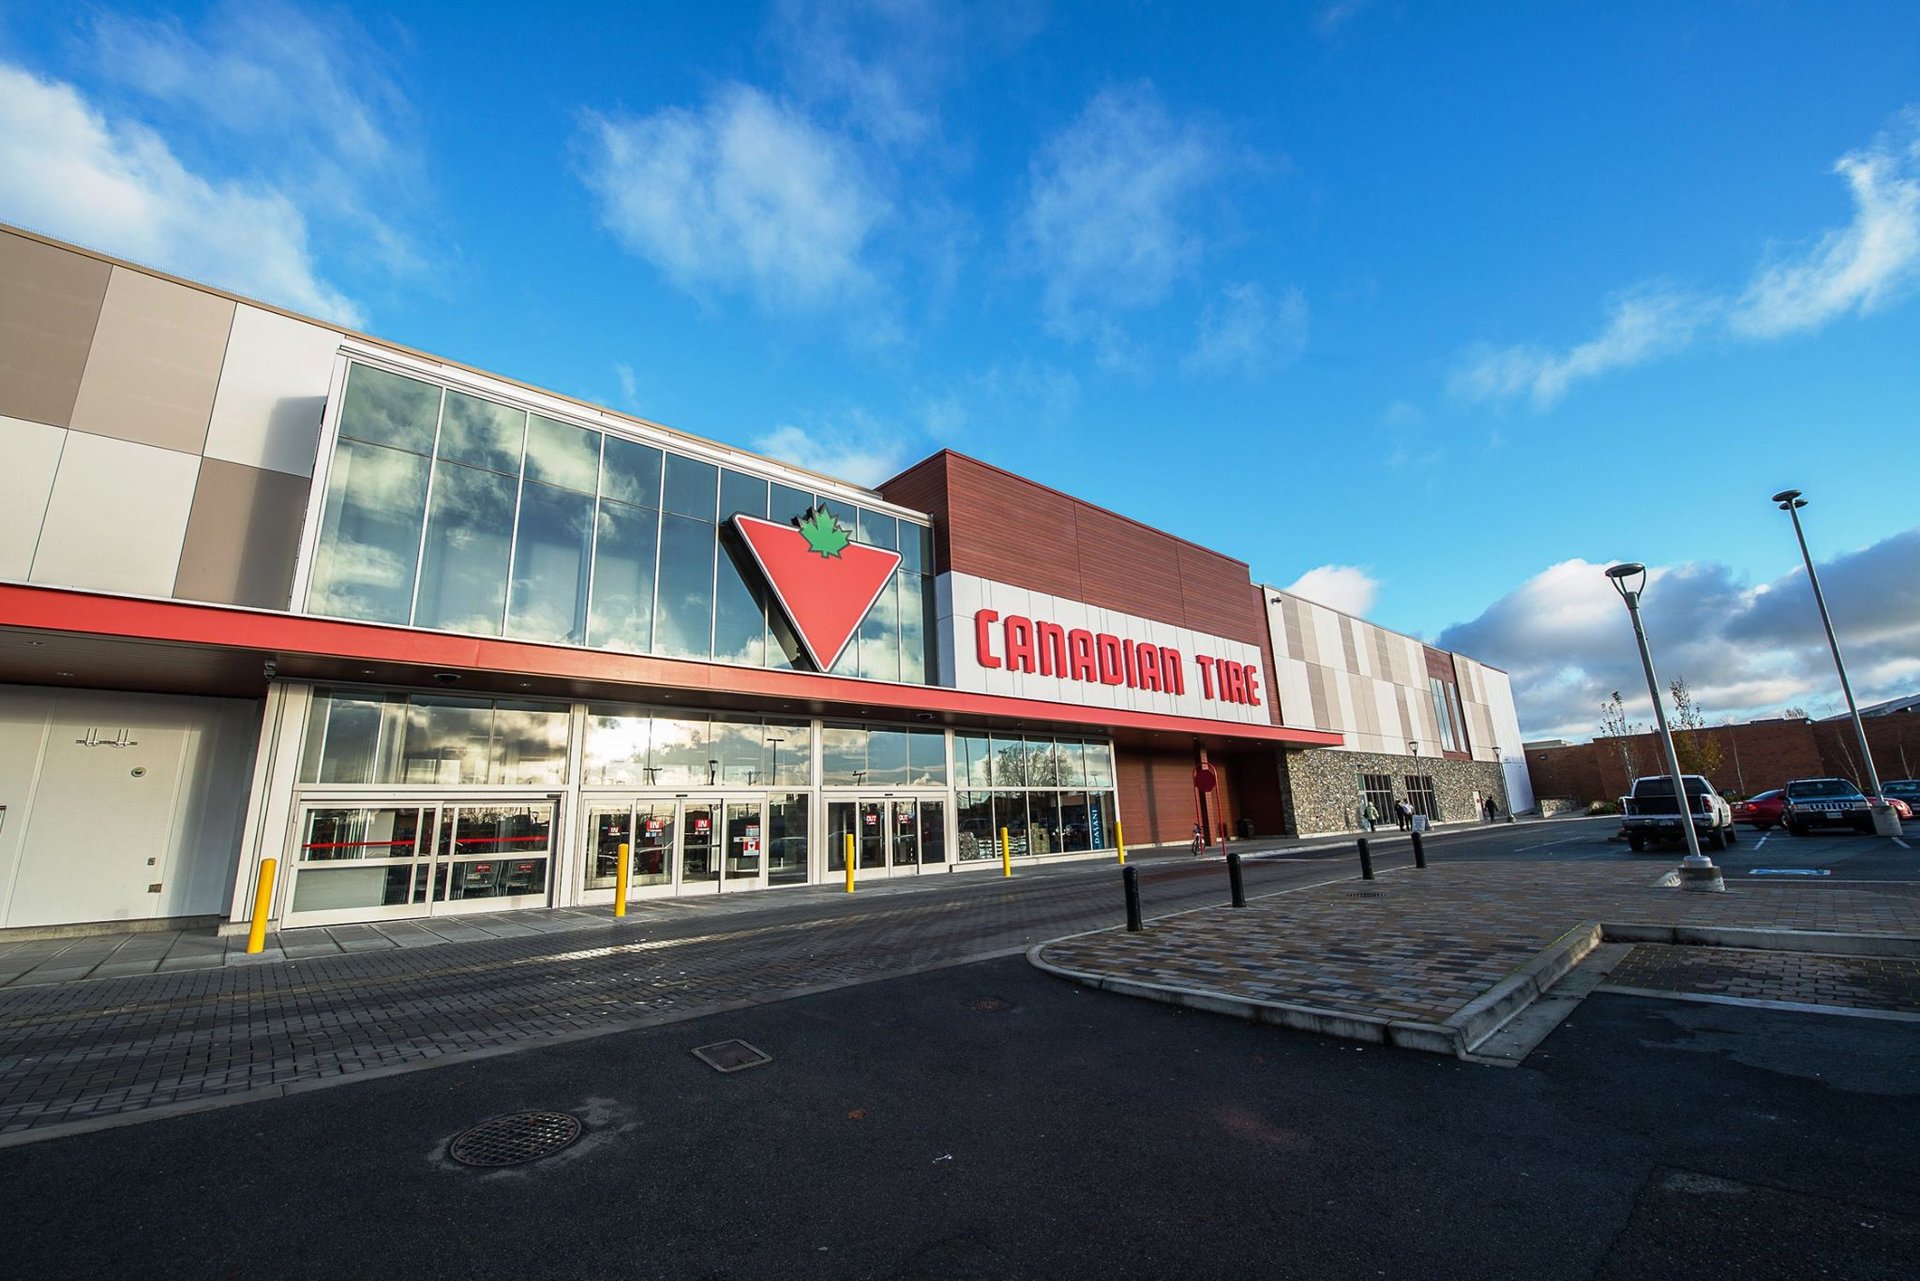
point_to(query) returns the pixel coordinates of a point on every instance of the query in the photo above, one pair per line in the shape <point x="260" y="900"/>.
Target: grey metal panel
<point x="273" y="391"/>
<point x="32" y="452"/>
<point x="242" y="536"/>
<point x="117" y="517"/>
<point x="49" y="304"/>
<point x="155" y="363"/>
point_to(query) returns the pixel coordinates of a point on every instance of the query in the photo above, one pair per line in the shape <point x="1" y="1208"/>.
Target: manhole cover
<point x="985" y="1004"/>
<point x="731" y="1056"/>
<point x="514" y="1140"/>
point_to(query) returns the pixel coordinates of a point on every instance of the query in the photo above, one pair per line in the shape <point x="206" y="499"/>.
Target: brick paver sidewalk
<point x="1420" y="945"/>
<point x="1886" y="984"/>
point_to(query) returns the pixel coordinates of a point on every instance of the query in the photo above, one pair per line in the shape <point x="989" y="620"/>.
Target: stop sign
<point x="1204" y="779"/>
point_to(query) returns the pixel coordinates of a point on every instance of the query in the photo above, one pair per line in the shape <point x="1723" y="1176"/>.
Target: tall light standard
<point x="1628" y="579"/>
<point x="1884" y="820"/>
<point x="1413" y="750"/>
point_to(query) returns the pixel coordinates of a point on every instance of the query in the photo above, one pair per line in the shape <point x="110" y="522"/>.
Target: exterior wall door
<point x="893" y="836"/>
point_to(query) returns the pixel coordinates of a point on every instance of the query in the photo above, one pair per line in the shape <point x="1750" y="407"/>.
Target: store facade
<point x="439" y="642"/>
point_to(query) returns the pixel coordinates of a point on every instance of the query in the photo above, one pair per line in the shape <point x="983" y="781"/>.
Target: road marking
<point x="1902" y="844"/>
<point x="1764" y="838"/>
<point x="1789" y="871"/>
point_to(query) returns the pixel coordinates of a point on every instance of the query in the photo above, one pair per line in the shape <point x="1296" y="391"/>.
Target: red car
<point x="1901" y="809"/>
<point x="1763" y="810"/>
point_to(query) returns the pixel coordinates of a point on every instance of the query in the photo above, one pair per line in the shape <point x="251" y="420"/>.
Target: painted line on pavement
<point x="1758" y="1003"/>
<point x="1902" y="844"/>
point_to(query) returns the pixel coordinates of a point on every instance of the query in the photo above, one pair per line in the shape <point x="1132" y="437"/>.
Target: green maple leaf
<point x="824" y="533"/>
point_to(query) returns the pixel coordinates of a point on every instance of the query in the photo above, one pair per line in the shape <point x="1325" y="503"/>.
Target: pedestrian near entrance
<point x="1493" y="809"/>
<point x="1199" y="841"/>
<point x="1405" y="812"/>
<point x="1369" y="816"/>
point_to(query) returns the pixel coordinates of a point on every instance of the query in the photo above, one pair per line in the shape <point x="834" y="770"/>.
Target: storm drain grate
<point x="731" y="1056"/>
<point x="1363" y="893"/>
<point x="985" y="1004"/>
<point x="514" y="1140"/>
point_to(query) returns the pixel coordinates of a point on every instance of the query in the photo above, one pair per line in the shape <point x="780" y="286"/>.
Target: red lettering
<point x="1173" y="678"/>
<point x="1126" y="655"/>
<point x="1147" y="660"/>
<point x="1051" y="640"/>
<point x="1080" y="650"/>
<point x="982" y="650"/>
<point x="1019" y="643"/>
<point x="1205" y="665"/>
<point x="1240" y="683"/>
<point x="1111" y="671"/>
<point x="1253" y="687"/>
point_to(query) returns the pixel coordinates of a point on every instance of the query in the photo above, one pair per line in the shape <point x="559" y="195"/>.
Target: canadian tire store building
<point x="439" y="642"/>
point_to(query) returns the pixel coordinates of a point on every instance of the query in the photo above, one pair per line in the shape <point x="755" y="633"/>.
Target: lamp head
<point x="1788" y="499"/>
<point x="1629" y="578"/>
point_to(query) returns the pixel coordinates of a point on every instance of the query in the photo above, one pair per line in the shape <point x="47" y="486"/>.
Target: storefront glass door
<point x="893" y="836"/>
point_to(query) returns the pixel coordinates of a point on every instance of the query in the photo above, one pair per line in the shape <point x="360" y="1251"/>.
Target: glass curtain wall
<point x="1049" y="795"/>
<point x="451" y="511"/>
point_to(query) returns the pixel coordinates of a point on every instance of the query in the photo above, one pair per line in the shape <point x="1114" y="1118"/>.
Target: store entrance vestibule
<point x="892" y="835"/>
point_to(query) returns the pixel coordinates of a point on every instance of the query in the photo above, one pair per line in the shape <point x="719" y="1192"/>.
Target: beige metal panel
<point x="24" y="713"/>
<point x="155" y="363"/>
<point x="242" y="536"/>
<point x="32" y="452"/>
<point x="273" y="390"/>
<point x="117" y="517"/>
<point x="49" y="305"/>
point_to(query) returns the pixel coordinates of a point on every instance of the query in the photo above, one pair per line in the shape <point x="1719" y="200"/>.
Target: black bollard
<point x="1419" y="851"/>
<point x="1233" y="879"/>
<point x="1132" y="881"/>
<point x="1366" y="860"/>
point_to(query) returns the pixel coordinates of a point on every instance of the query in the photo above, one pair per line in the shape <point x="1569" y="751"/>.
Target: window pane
<point x="351" y="738"/>
<point x="913" y="629"/>
<point x="1009" y="761"/>
<point x="740" y="749"/>
<point x="479" y="433"/>
<point x="448" y="741"/>
<point x="680" y="753"/>
<point x="790" y="753"/>
<point x="550" y="557"/>
<point x="933" y="832"/>
<point x="1072" y="758"/>
<point x="387" y="409"/>
<point x="529" y="745"/>
<point x="622" y="615"/>
<point x="463" y="575"/>
<point x="615" y="753"/>
<point x="886" y="758"/>
<point x="739" y="605"/>
<point x="1043" y="823"/>
<point x="973" y="759"/>
<point x="1101" y="815"/>
<point x="789" y="504"/>
<point x="927" y="756"/>
<point x="1075" y="830"/>
<point x="740" y="492"/>
<point x="876" y="529"/>
<point x="562" y="454"/>
<point x="843" y="756"/>
<point x="787" y="839"/>
<point x="974" y="813"/>
<point x="916" y="548"/>
<point x="1010" y="813"/>
<point x="691" y="487"/>
<point x="369" y="543"/>
<point x="783" y="647"/>
<point x="880" y="636"/>
<point x="1043" y="768"/>
<point x="1099" y="760"/>
<point x="684" y="628"/>
<point x="631" y="473"/>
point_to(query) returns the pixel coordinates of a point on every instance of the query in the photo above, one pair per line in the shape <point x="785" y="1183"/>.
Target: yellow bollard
<point x="262" y="905"/>
<point x="849" y="862"/>
<point x="622" y="879"/>
<point x="1006" y="854"/>
<point x="1120" y="839"/>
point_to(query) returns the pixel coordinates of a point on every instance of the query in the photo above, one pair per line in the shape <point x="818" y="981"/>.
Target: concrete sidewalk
<point x="1441" y="959"/>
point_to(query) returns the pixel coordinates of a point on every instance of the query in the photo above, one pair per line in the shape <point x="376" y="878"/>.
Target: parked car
<point x="1903" y="789"/>
<point x="1825" y="802"/>
<point x="1762" y="810"/>
<point x="1901" y="810"/>
<point x="1652" y="815"/>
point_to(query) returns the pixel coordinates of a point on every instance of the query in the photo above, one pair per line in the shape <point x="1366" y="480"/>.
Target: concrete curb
<point x="1829" y="942"/>
<point x="1487" y="1013"/>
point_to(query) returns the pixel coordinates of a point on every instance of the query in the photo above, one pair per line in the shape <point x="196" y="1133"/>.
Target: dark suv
<point x="1813" y="802"/>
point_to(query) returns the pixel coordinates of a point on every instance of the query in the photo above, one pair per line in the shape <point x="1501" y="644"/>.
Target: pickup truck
<point x="1651" y="817"/>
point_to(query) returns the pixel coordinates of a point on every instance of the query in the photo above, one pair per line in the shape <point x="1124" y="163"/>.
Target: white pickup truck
<point x="1651" y="817"/>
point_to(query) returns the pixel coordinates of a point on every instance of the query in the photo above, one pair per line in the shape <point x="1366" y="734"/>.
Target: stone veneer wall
<point x="1324" y="787"/>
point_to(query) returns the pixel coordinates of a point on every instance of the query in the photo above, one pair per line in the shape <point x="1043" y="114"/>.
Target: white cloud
<point x="1106" y="218"/>
<point x="880" y="65"/>
<point x="1246" y="330"/>
<point x="1347" y="588"/>
<point x="852" y="446"/>
<point x="1745" y="650"/>
<point x="1868" y="264"/>
<point x="68" y="171"/>
<point x="1338" y="14"/>
<point x="744" y="193"/>
<point x="1861" y="266"/>
<point x="1651" y="321"/>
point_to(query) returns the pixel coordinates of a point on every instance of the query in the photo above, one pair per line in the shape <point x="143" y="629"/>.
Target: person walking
<point x="1493" y="809"/>
<point x="1369" y="816"/>
<point x="1405" y="812"/>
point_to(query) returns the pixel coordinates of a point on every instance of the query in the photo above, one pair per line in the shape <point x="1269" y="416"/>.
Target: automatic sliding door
<point x="489" y="853"/>
<point x="698" y="860"/>
<point x="745" y="845"/>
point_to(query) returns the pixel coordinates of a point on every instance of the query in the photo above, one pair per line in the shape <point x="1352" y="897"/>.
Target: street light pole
<point x="1885" y="822"/>
<point x="1630" y="593"/>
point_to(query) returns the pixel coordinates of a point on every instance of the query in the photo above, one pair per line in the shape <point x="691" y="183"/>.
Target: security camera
<point x="447" y="678"/>
<point x="271" y="669"/>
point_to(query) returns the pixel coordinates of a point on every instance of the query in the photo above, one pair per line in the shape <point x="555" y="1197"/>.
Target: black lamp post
<point x="1885" y="822"/>
<point x="1628" y="580"/>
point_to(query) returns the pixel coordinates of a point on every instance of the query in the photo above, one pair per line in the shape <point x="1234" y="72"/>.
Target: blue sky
<point x="1430" y="309"/>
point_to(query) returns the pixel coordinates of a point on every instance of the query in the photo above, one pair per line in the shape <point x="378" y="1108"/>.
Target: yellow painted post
<point x="1120" y="839"/>
<point x="622" y="879"/>
<point x="849" y="862"/>
<point x="1006" y="854"/>
<point x="262" y="905"/>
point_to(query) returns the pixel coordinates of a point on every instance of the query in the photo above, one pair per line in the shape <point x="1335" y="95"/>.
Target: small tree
<point x="1699" y="751"/>
<point x="1622" y="733"/>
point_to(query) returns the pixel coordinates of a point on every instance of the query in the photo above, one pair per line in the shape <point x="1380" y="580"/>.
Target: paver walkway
<point x="1886" y="984"/>
<point x="1419" y="946"/>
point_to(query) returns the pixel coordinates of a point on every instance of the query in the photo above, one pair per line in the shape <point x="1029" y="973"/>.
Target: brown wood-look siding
<point x="1156" y="796"/>
<point x="1267" y="693"/>
<point x="1256" y="790"/>
<point x="1013" y="530"/>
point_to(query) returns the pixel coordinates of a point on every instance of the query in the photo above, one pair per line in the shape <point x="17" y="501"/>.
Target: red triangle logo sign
<point x="825" y="582"/>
